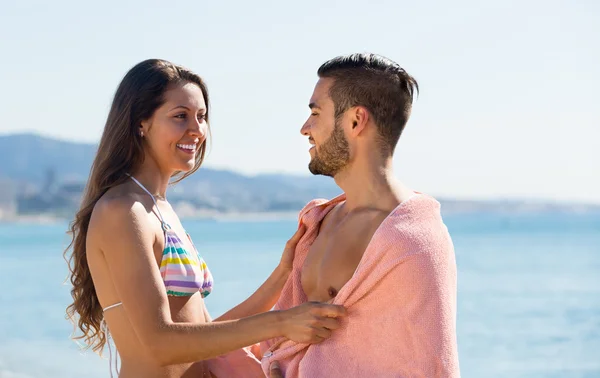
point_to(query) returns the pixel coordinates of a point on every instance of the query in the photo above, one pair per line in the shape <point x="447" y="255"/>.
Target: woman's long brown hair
<point x="120" y="151"/>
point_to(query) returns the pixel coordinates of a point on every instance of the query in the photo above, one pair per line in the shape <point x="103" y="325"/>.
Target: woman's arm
<point x="265" y="297"/>
<point x="126" y="238"/>
<point x="207" y="317"/>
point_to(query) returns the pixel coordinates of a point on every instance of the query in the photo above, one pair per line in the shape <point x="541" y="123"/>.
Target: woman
<point x="133" y="265"/>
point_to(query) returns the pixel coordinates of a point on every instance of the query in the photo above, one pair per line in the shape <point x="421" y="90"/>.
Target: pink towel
<point x="401" y="302"/>
<point x="237" y="364"/>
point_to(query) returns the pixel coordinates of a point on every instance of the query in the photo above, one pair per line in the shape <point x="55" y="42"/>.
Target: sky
<point x="509" y="89"/>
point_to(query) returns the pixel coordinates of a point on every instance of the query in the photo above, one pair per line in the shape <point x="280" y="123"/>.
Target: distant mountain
<point x="28" y="157"/>
<point x="36" y="160"/>
<point x="48" y="175"/>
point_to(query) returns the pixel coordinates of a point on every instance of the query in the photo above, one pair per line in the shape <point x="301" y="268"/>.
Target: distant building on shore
<point x="8" y="199"/>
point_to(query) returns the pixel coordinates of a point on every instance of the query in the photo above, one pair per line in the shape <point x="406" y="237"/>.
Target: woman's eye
<point x="202" y="117"/>
<point x="180" y="116"/>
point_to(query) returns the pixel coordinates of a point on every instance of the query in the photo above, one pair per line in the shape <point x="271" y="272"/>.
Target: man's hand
<point x="275" y="370"/>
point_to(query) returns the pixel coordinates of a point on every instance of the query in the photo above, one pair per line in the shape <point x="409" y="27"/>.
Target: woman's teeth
<point x="187" y="146"/>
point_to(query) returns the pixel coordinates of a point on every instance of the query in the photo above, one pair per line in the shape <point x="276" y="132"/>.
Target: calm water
<point x="529" y="292"/>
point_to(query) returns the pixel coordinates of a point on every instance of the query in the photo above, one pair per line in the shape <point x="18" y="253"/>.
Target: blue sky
<point x="509" y="89"/>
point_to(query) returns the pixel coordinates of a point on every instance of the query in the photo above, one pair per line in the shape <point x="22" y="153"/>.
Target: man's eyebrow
<point x="313" y="105"/>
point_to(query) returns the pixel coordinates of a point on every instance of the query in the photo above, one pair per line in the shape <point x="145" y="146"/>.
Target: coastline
<point x="48" y="218"/>
<point x="449" y="207"/>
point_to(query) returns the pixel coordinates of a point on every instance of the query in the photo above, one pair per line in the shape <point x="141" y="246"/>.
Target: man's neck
<point x="372" y="185"/>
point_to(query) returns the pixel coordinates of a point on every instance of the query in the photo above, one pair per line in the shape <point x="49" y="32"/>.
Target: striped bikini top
<point x="183" y="272"/>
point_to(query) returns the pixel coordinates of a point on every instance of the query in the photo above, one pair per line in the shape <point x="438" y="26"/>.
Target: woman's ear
<point x="144" y="127"/>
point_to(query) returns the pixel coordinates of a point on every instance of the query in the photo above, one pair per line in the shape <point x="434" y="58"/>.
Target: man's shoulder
<point x="319" y="203"/>
<point x="417" y="227"/>
<point x="313" y="204"/>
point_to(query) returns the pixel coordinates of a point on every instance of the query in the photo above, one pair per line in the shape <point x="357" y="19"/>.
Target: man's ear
<point x="360" y="118"/>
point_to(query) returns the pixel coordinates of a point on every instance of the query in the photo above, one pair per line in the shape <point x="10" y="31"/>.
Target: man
<point x="380" y="249"/>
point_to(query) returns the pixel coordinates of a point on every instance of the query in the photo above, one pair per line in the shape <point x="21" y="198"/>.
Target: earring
<point x="142" y="133"/>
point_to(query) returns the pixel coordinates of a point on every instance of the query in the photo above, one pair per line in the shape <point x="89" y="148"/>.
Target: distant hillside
<point x="34" y="160"/>
<point x="45" y="175"/>
<point x="28" y="157"/>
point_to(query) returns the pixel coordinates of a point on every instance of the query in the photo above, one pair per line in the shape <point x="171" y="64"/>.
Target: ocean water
<point x="528" y="300"/>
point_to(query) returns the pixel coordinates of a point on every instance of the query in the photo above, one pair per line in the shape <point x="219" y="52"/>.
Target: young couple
<point x="366" y="287"/>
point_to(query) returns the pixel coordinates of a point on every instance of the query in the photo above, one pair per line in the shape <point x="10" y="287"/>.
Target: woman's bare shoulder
<point x="119" y="213"/>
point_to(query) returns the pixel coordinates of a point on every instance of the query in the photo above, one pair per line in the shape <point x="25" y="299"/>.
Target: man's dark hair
<point x="377" y="83"/>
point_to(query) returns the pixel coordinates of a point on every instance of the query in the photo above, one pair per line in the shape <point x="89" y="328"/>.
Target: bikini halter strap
<point x="164" y="224"/>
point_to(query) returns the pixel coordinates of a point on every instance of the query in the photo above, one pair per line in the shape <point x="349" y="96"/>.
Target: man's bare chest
<point x="333" y="258"/>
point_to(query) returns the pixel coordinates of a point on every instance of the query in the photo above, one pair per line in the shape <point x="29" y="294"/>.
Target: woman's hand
<point x="267" y="294"/>
<point x="287" y="258"/>
<point x="311" y="322"/>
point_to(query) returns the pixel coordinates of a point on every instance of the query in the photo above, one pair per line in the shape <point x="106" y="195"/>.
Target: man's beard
<point x="333" y="155"/>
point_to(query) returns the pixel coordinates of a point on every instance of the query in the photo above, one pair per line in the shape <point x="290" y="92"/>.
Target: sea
<point x="528" y="292"/>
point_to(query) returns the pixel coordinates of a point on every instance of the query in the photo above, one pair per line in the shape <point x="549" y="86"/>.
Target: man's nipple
<point x="332" y="292"/>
